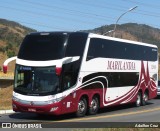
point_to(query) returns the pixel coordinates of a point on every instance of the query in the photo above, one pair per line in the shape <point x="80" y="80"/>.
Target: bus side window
<point x="93" y="50"/>
<point x="67" y="80"/>
<point x="90" y="54"/>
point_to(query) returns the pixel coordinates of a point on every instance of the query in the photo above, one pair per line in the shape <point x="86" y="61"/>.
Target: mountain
<point x="11" y="36"/>
<point x="132" y="31"/>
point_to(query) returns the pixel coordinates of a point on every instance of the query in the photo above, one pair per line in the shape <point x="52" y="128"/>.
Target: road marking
<point x="109" y="116"/>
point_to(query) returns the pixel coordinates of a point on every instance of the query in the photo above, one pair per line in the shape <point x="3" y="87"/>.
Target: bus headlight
<point x="15" y="99"/>
<point x="55" y="100"/>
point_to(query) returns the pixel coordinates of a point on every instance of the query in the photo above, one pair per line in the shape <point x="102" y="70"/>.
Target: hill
<point x="132" y="31"/>
<point x="11" y="36"/>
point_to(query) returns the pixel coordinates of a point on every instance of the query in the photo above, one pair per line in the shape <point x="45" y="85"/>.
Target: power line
<point x="140" y="12"/>
<point x="49" y="16"/>
<point x="81" y="13"/>
<point x="149" y="5"/>
<point x="69" y="10"/>
<point x="91" y="14"/>
<point x="39" y="24"/>
<point x="73" y="11"/>
<point x="29" y="12"/>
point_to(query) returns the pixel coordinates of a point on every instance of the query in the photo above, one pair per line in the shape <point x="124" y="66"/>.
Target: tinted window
<point x="76" y="43"/>
<point x="121" y="79"/>
<point x="42" y="47"/>
<point x="115" y="79"/>
<point x="75" y="47"/>
<point x="36" y="80"/>
<point x="114" y="49"/>
<point x="70" y="74"/>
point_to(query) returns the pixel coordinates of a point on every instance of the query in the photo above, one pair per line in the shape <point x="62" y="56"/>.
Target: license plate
<point x="32" y="109"/>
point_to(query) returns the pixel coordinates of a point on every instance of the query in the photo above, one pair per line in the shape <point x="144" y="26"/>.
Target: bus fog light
<point x="14" y="106"/>
<point x="53" y="109"/>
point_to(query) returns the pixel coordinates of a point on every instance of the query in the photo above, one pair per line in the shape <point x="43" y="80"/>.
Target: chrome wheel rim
<point x="138" y="99"/>
<point x="81" y="106"/>
<point x="145" y="97"/>
<point x="94" y="105"/>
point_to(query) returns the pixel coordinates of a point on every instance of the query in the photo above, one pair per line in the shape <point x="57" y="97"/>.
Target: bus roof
<point x="92" y="35"/>
<point x="56" y="32"/>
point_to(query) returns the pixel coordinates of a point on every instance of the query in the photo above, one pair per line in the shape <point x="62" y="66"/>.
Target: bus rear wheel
<point x="144" y="99"/>
<point x="138" y="100"/>
<point x="94" y="106"/>
<point x="82" y="107"/>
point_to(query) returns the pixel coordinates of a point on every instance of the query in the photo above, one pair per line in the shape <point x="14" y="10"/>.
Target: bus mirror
<point x="5" y="64"/>
<point x="58" y="71"/>
<point x="4" y="69"/>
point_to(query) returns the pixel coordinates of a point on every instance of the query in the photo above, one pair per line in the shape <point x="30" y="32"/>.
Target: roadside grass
<point x="6" y="98"/>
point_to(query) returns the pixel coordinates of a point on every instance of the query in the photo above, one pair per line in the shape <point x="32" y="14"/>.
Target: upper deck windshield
<point x="36" y="80"/>
<point x="43" y="47"/>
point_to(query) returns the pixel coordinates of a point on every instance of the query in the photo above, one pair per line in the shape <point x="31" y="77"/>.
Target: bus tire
<point x="144" y="99"/>
<point x="93" y="109"/>
<point x="82" y="107"/>
<point x="138" y="100"/>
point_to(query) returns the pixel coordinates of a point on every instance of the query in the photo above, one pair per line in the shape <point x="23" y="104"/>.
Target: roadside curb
<point x="6" y="111"/>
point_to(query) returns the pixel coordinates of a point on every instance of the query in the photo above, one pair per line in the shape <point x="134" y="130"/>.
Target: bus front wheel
<point x="82" y="107"/>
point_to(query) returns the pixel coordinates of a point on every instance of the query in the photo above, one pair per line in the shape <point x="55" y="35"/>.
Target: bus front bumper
<point x="54" y="109"/>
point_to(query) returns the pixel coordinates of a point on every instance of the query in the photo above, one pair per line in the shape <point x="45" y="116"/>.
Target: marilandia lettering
<point x="120" y="65"/>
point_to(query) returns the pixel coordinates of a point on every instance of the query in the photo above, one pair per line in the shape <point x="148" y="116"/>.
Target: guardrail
<point x="9" y="75"/>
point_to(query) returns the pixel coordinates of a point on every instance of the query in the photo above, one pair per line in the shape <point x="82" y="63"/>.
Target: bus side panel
<point x="122" y="79"/>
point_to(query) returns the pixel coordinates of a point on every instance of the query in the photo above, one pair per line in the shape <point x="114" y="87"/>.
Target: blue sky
<point x="74" y="15"/>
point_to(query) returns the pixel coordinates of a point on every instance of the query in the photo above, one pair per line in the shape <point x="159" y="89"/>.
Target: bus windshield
<point x="43" y="47"/>
<point x="36" y="80"/>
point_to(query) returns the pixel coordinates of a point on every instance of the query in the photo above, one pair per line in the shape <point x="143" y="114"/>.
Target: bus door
<point x="67" y="84"/>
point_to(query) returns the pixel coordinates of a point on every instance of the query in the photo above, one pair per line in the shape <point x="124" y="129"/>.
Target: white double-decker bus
<point x="66" y="72"/>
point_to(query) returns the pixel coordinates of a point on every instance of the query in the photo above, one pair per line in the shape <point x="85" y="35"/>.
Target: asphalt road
<point x="112" y="115"/>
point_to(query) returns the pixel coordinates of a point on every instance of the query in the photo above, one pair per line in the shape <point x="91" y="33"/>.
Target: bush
<point x="10" y="53"/>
